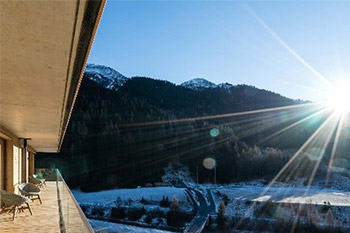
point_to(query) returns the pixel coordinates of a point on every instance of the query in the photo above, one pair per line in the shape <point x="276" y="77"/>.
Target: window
<point x="17" y="165"/>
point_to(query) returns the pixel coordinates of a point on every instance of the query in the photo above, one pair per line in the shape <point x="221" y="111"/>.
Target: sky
<point x="293" y="47"/>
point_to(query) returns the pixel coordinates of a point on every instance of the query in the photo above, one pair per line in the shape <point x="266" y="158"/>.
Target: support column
<point x="23" y="161"/>
<point x="2" y="167"/>
<point x="26" y="159"/>
<point x="9" y="166"/>
<point x="31" y="163"/>
<point x="2" y="164"/>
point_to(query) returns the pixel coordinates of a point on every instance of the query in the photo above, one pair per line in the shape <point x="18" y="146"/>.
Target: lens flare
<point x="209" y="163"/>
<point x="339" y="98"/>
<point x="214" y="132"/>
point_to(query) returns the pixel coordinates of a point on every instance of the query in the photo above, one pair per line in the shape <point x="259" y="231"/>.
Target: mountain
<point x="198" y="83"/>
<point x="126" y="133"/>
<point x="225" y="85"/>
<point x="105" y="76"/>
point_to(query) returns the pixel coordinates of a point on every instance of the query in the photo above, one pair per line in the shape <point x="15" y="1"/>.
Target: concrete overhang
<point x="44" y="47"/>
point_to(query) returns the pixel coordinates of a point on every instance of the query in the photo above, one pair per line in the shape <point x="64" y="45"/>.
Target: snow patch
<point x="110" y="196"/>
<point x="225" y="85"/>
<point x="198" y="83"/>
<point x="105" y="76"/>
<point x="101" y="226"/>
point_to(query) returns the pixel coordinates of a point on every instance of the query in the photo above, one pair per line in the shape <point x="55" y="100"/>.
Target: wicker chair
<point x="31" y="191"/>
<point x="36" y="181"/>
<point x="14" y="203"/>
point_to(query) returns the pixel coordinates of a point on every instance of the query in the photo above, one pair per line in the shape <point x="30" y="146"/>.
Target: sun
<point x="338" y="98"/>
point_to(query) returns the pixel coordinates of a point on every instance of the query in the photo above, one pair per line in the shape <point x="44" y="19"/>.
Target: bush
<point x="119" y="201"/>
<point x="130" y="202"/>
<point x="265" y="209"/>
<point x="174" y="204"/>
<point x="160" y="221"/>
<point x="149" y="218"/>
<point x="135" y="214"/>
<point x="210" y="221"/>
<point x="164" y="202"/>
<point x="225" y="199"/>
<point x="305" y="183"/>
<point x="175" y="218"/>
<point x="325" y="208"/>
<point x="97" y="211"/>
<point x="221" y="218"/>
<point x="248" y="202"/>
<point x="158" y="213"/>
<point x="118" y="212"/>
<point x="143" y="201"/>
<point x="265" y="182"/>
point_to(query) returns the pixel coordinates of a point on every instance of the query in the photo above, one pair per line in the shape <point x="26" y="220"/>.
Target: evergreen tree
<point x="221" y="218"/>
<point x="174" y="206"/>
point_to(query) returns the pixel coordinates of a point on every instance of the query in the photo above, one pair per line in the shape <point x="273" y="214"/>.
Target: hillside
<point x="124" y="131"/>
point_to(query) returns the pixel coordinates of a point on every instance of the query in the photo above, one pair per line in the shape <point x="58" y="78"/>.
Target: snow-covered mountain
<point x="112" y="79"/>
<point x="198" y="83"/>
<point x="224" y="85"/>
<point x="105" y="76"/>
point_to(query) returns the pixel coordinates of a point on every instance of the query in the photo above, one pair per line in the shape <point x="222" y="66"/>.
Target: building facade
<point x="44" y="46"/>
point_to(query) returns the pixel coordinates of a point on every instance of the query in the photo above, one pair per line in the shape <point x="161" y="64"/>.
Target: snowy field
<point x="101" y="226"/>
<point x="324" y="206"/>
<point x="287" y="195"/>
<point x="149" y="194"/>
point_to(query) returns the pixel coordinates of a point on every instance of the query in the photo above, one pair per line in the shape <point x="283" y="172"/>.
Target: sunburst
<point x="338" y="98"/>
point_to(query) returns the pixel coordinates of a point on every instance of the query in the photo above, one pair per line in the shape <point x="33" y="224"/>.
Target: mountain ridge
<point x="109" y="78"/>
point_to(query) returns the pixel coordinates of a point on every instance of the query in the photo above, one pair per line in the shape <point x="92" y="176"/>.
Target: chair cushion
<point x="29" y="188"/>
<point x="11" y="199"/>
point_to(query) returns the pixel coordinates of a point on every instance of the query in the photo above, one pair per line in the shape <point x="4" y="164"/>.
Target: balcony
<point x="59" y="212"/>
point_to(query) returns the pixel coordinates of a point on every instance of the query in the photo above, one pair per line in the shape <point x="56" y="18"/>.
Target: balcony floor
<point x="46" y="216"/>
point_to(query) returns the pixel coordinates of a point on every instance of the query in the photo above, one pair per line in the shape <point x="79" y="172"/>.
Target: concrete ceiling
<point x="39" y="47"/>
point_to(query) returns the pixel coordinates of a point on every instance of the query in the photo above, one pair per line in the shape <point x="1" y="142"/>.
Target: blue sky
<point x="284" y="46"/>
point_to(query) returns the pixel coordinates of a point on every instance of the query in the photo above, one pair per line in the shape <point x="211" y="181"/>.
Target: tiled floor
<point x="46" y="216"/>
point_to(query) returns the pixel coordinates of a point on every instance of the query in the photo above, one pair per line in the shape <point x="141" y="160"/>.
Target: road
<point x="198" y="222"/>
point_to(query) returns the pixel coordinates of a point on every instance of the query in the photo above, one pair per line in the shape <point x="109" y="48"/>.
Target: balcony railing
<point x="72" y="218"/>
